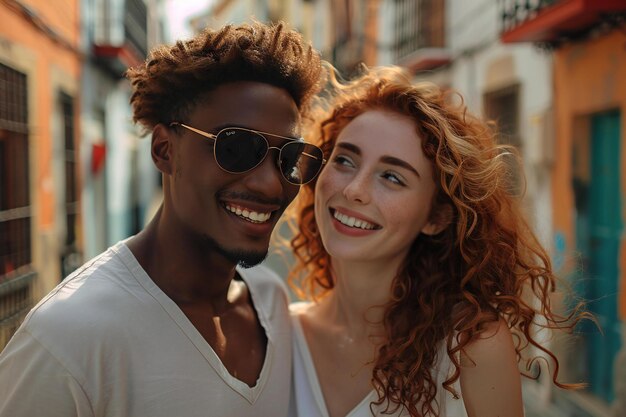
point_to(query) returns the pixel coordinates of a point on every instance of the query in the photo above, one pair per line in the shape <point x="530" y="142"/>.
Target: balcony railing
<point x="421" y="41"/>
<point x="550" y="21"/>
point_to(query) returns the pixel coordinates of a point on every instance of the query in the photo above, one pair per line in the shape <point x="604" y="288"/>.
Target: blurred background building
<point x="119" y="179"/>
<point x="75" y="176"/>
<point x="40" y="220"/>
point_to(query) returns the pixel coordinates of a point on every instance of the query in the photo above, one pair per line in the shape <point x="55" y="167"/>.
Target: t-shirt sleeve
<point x="34" y="383"/>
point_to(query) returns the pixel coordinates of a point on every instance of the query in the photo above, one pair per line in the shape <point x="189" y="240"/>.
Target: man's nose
<point x="266" y="178"/>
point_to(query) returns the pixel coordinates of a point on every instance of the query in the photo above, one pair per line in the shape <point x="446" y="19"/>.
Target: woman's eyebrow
<point x="349" y="147"/>
<point x="392" y="160"/>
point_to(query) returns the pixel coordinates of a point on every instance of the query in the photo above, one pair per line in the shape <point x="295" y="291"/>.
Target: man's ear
<point x="439" y="220"/>
<point x="162" y="148"/>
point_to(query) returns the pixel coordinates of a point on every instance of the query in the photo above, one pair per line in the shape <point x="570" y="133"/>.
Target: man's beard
<point x="245" y="259"/>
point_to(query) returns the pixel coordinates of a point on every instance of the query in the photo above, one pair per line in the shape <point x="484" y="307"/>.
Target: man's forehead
<point x="252" y="105"/>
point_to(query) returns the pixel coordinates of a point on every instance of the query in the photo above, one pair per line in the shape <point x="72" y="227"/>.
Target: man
<point x="165" y="323"/>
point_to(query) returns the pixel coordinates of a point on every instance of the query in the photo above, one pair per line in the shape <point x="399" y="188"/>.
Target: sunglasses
<point x="238" y="150"/>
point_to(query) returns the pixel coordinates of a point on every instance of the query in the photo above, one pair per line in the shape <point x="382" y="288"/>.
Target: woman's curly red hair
<point x="486" y="265"/>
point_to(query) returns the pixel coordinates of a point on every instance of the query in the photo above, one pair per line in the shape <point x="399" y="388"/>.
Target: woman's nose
<point x="358" y="190"/>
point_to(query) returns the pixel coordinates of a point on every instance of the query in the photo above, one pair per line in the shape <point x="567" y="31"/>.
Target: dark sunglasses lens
<point x="238" y="150"/>
<point x="300" y="162"/>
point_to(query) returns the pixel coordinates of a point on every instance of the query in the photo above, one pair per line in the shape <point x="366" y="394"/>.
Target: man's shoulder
<point x="85" y="294"/>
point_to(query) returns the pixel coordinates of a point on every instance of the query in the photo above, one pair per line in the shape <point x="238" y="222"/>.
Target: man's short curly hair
<point x="175" y="77"/>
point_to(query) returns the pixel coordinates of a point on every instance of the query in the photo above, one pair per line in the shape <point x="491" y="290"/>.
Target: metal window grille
<point x="406" y="27"/>
<point x="515" y="12"/>
<point x="16" y="274"/>
<point x="70" y="257"/>
<point x="15" y="211"/>
<point x="420" y="24"/>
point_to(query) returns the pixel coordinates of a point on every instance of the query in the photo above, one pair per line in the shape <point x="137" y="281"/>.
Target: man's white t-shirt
<point x="108" y="342"/>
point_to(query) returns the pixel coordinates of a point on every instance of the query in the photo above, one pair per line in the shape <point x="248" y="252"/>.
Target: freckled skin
<point x="359" y="180"/>
<point x="364" y="180"/>
<point x="365" y="185"/>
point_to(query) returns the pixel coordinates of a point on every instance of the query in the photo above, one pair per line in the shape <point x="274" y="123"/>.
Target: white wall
<point x="481" y="63"/>
<point x="106" y="116"/>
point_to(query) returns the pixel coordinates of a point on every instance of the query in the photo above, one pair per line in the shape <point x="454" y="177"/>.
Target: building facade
<point x="40" y="220"/>
<point x="589" y="183"/>
<point x="119" y="178"/>
<point x="75" y="177"/>
<point x="586" y="41"/>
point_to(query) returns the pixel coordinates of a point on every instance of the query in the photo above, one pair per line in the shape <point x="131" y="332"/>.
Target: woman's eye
<point x="391" y="177"/>
<point x="342" y="160"/>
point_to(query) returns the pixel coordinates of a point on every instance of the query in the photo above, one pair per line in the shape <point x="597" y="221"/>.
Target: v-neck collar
<point x="311" y="373"/>
<point x="204" y="348"/>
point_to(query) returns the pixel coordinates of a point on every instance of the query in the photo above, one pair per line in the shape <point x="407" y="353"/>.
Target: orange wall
<point x="62" y="16"/>
<point x="370" y="47"/>
<point x="589" y="77"/>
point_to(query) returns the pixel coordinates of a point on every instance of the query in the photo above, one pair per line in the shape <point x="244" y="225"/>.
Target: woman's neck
<point x="357" y="301"/>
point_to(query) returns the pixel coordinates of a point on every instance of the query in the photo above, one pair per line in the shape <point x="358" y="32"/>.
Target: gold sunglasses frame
<point x="213" y="137"/>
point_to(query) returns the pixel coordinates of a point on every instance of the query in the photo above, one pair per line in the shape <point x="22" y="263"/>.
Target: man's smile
<point x="248" y="213"/>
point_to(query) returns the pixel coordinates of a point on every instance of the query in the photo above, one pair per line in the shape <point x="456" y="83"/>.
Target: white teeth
<point x="352" y="221"/>
<point x="249" y="215"/>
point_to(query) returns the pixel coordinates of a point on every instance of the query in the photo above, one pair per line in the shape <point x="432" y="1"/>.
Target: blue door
<point x="599" y="246"/>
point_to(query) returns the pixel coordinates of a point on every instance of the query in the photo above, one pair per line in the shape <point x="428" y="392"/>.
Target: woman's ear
<point x="162" y="148"/>
<point x="439" y="220"/>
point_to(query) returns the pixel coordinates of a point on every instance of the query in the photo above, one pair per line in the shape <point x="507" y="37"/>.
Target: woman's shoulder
<point x="490" y="378"/>
<point x="494" y="342"/>
<point x="299" y="308"/>
<point x="305" y="315"/>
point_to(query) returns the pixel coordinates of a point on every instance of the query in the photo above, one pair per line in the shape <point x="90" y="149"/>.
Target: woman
<point x="424" y="276"/>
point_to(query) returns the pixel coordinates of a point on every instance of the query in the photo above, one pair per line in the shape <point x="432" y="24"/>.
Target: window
<point x="407" y="27"/>
<point x="70" y="257"/>
<point x="15" y="210"/>
<point x="16" y="274"/>
<point x="502" y="106"/>
<point x="420" y="24"/>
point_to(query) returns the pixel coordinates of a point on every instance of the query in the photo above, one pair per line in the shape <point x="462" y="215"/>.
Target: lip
<point x="352" y="231"/>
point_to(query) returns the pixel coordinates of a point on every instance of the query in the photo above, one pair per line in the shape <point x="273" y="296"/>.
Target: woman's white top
<point x="308" y="401"/>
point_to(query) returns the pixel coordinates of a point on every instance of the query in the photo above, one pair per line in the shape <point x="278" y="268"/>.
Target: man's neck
<point x="200" y="282"/>
<point x="180" y="264"/>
